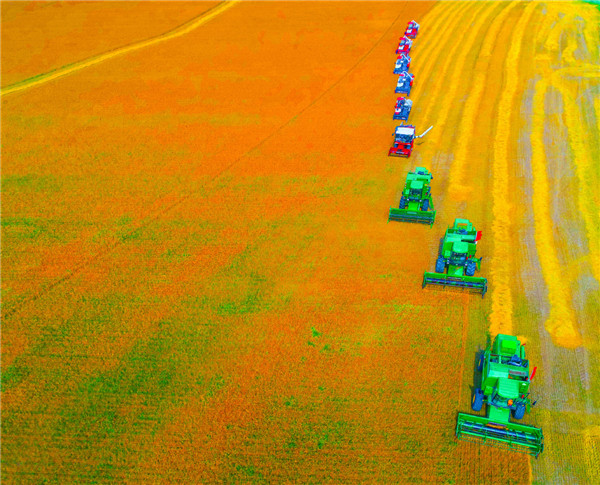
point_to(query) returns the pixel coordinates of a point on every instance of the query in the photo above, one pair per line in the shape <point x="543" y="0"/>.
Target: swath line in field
<point x="561" y="322"/>
<point x="553" y="40"/>
<point x="590" y="34"/>
<point x="448" y="19"/>
<point x="459" y="17"/>
<point x="587" y="195"/>
<point x="454" y="67"/>
<point x="464" y="140"/>
<point x="432" y="23"/>
<point x="502" y="257"/>
<point x="63" y="71"/>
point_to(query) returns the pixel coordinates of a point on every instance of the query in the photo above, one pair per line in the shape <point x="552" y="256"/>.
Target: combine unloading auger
<point x="505" y="390"/>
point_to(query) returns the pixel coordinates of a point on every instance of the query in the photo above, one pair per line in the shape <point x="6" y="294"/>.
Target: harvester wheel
<point x="471" y="266"/>
<point x="440" y="265"/>
<point x="519" y="412"/>
<point x="477" y="402"/>
<point x="425" y="205"/>
<point x="402" y="202"/>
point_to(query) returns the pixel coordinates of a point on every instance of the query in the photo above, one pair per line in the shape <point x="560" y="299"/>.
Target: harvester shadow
<point x="477" y="375"/>
<point x="440" y="247"/>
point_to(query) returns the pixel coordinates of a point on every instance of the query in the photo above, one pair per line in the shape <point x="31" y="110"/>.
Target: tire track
<point x="502" y="256"/>
<point x="77" y="66"/>
<point x="464" y="139"/>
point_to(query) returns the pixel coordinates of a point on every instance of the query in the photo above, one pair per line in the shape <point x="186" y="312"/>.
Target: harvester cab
<point x="402" y="63"/>
<point x="505" y="381"/>
<point x="404" y="138"/>
<point x="457" y="257"/>
<point x="416" y="204"/>
<point x="404" y="46"/>
<point x="405" y="82"/>
<point x="412" y="29"/>
<point x="402" y="109"/>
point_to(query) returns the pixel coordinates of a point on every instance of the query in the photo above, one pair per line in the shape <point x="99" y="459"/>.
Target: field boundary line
<point x="501" y="265"/>
<point x="81" y="266"/>
<point x="70" y="68"/>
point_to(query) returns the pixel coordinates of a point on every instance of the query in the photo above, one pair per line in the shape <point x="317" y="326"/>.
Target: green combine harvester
<point x="457" y="254"/>
<point x="504" y="388"/>
<point x="416" y="204"/>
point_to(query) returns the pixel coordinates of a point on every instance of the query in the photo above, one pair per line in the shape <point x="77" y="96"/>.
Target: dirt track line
<point x="502" y="256"/>
<point x="464" y="140"/>
<point x="561" y="322"/>
<point x="63" y="71"/>
<point x="82" y="265"/>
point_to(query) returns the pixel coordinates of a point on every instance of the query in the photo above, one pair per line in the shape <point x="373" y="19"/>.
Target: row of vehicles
<point x="405" y="135"/>
<point x="504" y="374"/>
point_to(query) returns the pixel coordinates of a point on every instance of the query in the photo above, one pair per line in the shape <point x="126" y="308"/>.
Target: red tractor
<point x="412" y="29"/>
<point x="404" y="46"/>
<point x="404" y="138"/>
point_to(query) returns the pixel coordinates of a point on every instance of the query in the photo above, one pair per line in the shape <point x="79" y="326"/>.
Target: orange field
<point x="199" y="282"/>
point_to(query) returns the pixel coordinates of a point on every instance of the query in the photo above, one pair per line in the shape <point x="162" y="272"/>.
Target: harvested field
<point x="199" y="280"/>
